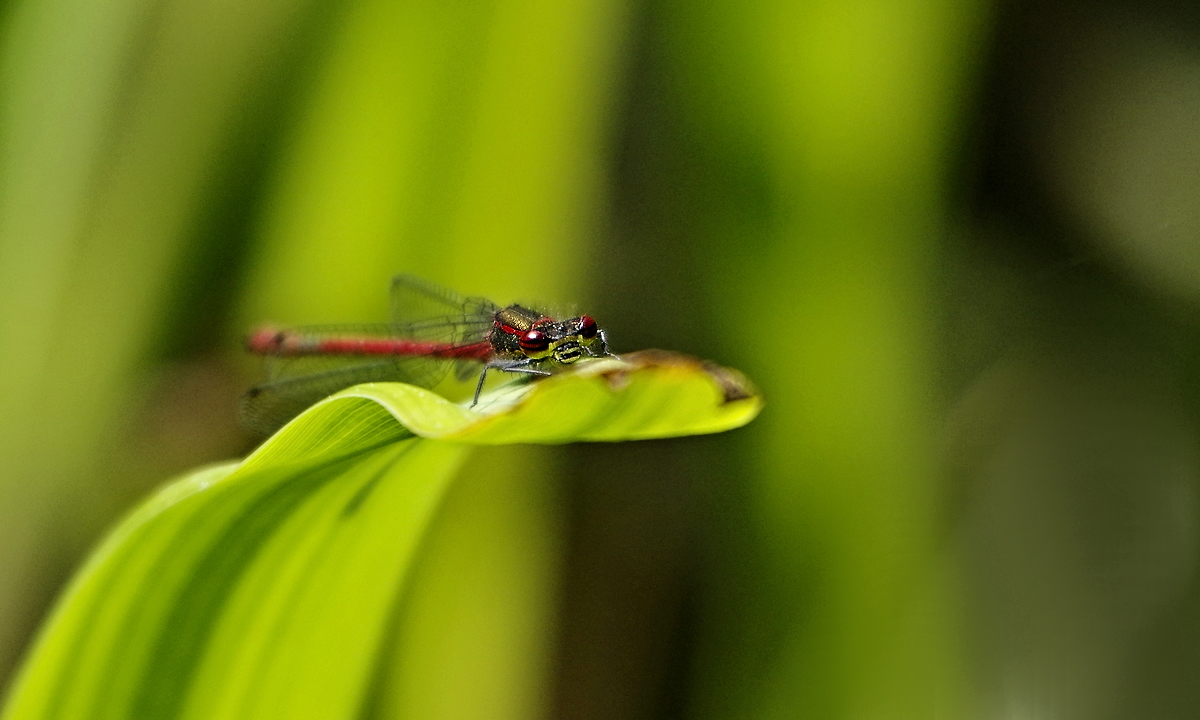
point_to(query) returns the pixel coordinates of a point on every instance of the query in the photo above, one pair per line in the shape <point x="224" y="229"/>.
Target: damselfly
<point x="432" y="329"/>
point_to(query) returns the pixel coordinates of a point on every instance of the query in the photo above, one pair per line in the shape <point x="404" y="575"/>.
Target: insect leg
<point x="527" y="371"/>
<point x="479" y="385"/>
<point x="515" y="366"/>
<point x="603" y="347"/>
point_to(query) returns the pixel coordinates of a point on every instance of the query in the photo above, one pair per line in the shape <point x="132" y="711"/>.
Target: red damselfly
<point x="432" y="330"/>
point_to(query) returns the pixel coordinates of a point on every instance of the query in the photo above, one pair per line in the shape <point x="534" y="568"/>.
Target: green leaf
<point x="266" y="588"/>
<point x="649" y="394"/>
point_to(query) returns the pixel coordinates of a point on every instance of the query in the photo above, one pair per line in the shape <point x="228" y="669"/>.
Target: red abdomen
<point x="269" y="341"/>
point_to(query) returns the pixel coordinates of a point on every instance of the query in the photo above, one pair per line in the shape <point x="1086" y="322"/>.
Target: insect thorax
<point x="511" y="323"/>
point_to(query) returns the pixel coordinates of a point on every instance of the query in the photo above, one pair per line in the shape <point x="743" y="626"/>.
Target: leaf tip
<point x="733" y="384"/>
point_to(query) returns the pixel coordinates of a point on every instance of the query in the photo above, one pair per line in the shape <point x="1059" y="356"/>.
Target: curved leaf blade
<point x="644" y="395"/>
<point x="259" y="591"/>
<point x="264" y="588"/>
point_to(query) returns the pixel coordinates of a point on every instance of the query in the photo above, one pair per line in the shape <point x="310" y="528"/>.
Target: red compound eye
<point x="587" y="327"/>
<point x="535" y="341"/>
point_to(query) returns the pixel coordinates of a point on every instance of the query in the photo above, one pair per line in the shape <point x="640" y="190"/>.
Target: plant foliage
<point x="267" y="588"/>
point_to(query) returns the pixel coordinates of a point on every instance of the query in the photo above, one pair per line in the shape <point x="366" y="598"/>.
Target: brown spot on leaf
<point x="734" y="385"/>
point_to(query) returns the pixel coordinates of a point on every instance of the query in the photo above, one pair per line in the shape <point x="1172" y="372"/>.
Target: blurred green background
<point x="956" y="243"/>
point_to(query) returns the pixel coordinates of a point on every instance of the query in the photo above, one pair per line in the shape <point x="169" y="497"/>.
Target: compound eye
<point x="587" y="327"/>
<point x="535" y="341"/>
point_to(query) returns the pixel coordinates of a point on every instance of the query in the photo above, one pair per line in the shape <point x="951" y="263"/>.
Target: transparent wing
<point x="415" y="370"/>
<point x="418" y="303"/>
<point x="421" y="311"/>
<point x="299" y="382"/>
<point x="465" y="370"/>
<point x="289" y="371"/>
<point x="293" y="382"/>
